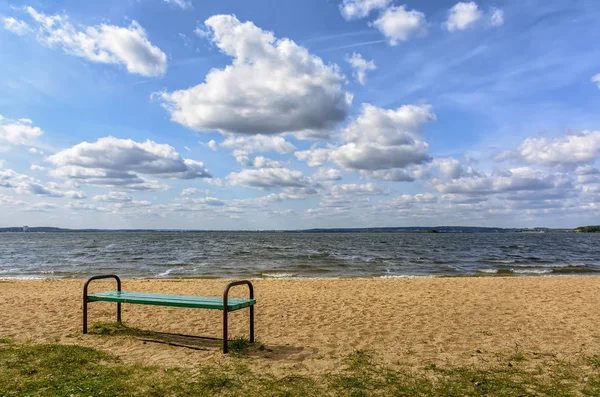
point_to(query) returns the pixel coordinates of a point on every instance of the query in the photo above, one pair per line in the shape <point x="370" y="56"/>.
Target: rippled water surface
<point x="248" y="254"/>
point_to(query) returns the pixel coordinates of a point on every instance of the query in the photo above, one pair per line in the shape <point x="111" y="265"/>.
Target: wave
<point x="278" y="275"/>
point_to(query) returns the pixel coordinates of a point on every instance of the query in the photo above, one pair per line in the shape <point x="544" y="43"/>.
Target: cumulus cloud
<point x="20" y="28"/>
<point x="192" y="191"/>
<point x="444" y="168"/>
<point x="272" y="86"/>
<point x="355" y="9"/>
<point x="79" y="206"/>
<point x="381" y="143"/>
<point x="35" y="167"/>
<point x="114" y="197"/>
<point x="399" y="24"/>
<point x="206" y="201"/>
<point x="360" y="67"/>
<point x="408" y="201"/>
<point x="313" y="157"/>
<point x="384" y="138"/>
<point x="121" y="200"/>
<point x="503" y="181"/>
<point x="367" y="189"/>
<point x="497" y="17"/>
<point x="117" y="162"/>
<point x="571" y="150"/>
<point x="327" y="174"/>
<point x="18" y="132"/>
<point x="350" y="195"/>
<point x="259" y="162"/>
<point x="26" y="185"/>
<point x="243" y="145"/>
<point x="108" y="44"/>
<point x="11" y="202"/>
<point x="269" y="178"/>
<point x="463" y="15"/>
<point x="185" y="4"/>
<point x="391" y="175"/>
<point x="34" y="150"/>
<point x="596" y="80"/>
<point x="39" y="207"/>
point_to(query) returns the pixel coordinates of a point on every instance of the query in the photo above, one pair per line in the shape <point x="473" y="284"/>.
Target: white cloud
<point x="497" y="17"/>
<point x="463" y="15"/>
<point x="206" y="201"/>
<point x="40" y="207"/>
<point x="108" y="44"/>
<point x="570" y="150"/>
<point x="185" y="4"/>
<point x="123" y="180"/>
<point x="79" y="206"/>
<point x="26" y="185"/>
<point x="391" y="175"/>
<point x="20" y="28"/>
<point x="380" y="143"/>
<point x="355" y="9"/>
<point x="596" y="79"/>
<point x="327" y="174"/>
<point x="360" y="67"/>
<point x="18" y="132"/>
<point x="259" y="162"/>
<point x="352" y="190"/>
<point x="397" y="24"/>
<point x="35" y="167"/>
<point x="114" y="197"/>
<point x="346" y="196"/>
<point x="408" y="201"/>
<point x="272" y="86"/>
<point x="127" y="155"/>
<point x="192" y="191"/>
<point x="11" y="202"/>
<point x="384" y="138"/>
<point x="121" y="200"/>
<point x="117" y="162"/>
<point x="313" y="157"/>
<point x="34" y="150"/>
<point x="269" y="178"/>
<point x="244" y="145"/>
<point x="503" y="181"/>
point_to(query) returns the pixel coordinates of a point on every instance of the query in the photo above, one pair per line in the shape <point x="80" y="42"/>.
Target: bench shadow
<point x="193" y="342"/>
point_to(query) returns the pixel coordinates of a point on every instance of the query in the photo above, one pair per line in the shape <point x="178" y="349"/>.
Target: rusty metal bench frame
<point x="224" y="306"/>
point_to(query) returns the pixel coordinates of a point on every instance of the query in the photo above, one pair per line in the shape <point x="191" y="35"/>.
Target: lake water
<point x="281" y="254"/>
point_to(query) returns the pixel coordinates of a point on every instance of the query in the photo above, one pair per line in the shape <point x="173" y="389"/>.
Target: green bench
<point x="224" y="304"/>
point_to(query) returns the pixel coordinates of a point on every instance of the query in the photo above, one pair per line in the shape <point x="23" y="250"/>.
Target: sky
<point x="269" y="114"/>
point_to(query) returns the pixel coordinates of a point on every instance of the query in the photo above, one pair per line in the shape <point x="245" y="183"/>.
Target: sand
<point x="309" y="325"/>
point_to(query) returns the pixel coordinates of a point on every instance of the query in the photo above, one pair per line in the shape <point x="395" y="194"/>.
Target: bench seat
<point x="199" y="302"/>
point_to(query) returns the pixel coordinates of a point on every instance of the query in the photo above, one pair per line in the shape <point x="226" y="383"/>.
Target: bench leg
<point x="85" y="312"/>
<point x="225" y="338"/>
<point x="85" y="307"/>
<point x="252" y="324"/>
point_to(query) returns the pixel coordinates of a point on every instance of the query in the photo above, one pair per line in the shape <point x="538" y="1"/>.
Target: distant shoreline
<point x="410" y="229"/>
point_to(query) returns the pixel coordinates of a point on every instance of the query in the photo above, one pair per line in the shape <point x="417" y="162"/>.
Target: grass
<point x="68" y="370"/>
<point x="107" y="328"/>
<point x="239" y="346"/>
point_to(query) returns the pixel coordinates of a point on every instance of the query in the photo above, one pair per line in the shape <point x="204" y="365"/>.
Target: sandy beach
<point x="309" y="325"/>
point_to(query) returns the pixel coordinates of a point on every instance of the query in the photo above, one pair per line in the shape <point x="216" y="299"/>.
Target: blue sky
<point x="281" y="115"/>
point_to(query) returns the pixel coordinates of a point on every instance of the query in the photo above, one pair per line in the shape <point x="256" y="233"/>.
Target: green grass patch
<point x="107" y="328"/>
<point x="238" y="345"/>
<point x="65" y="370"/>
